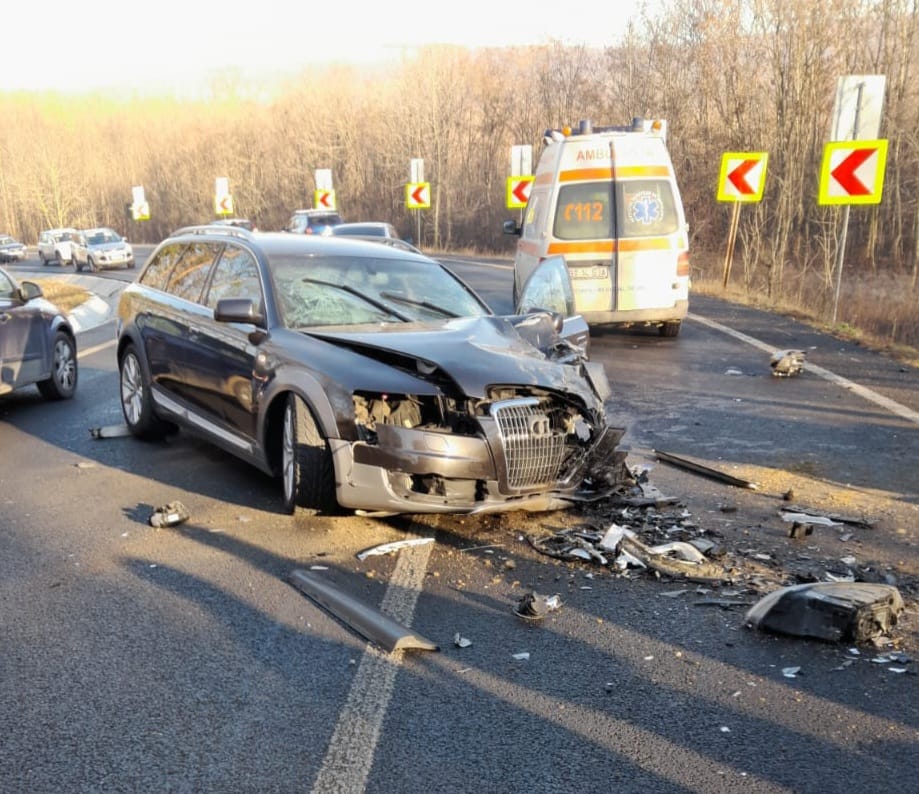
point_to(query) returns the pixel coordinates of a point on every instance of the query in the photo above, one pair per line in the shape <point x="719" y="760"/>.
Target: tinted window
<point x="160" y="267"/>
<point x="235" y="276"/>
<point x="190" y="273"/>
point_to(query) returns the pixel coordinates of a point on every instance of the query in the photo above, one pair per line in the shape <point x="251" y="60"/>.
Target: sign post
<point x="417" y="193"/>
<point x="856" y="117"/>
<point x="223" y="200"/>
<point x="324" y="195"/>
<point x="742" y="180"/>
<point x="520" y="181"/>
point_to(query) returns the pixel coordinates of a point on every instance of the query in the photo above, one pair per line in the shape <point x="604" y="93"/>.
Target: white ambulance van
<point x="606" y="198"/>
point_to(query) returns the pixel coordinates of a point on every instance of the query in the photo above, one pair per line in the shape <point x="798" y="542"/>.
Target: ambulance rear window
<point x="646" y="207"/>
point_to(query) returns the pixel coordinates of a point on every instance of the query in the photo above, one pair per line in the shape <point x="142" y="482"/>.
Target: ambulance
<point x="607" y="199"/>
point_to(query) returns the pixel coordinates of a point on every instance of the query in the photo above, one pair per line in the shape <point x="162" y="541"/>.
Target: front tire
<point x="44" y="259"/>
<point x="137" y="400"/>
<point x="63" y="381"/>
<point x="306" y="462"/>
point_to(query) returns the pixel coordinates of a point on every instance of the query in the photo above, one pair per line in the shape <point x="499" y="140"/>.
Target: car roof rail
<point x="232" y="231"/>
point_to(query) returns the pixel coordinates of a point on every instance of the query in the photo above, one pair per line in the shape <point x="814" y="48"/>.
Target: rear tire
<point x="671" y="328"/>
<point x="306" y="462"/>
<point x="137" y="400"/>
<point x="63" y="381"/>
<point x="44" y="261"/>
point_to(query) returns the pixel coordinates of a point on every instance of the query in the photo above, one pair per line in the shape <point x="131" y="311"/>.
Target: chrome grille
<point x="533" y="449"/>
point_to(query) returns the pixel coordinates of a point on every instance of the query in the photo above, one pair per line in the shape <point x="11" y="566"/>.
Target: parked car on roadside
<point x="37" y="342"/>
<point x="243" y="223"/>
<point x="54" y="245"/>
<point x="313" y="222"/>
<point x="366" y="377"/>
<point x="366" y="229"/>
<point x="100" y="248"/>
<point x="11" y="250"/>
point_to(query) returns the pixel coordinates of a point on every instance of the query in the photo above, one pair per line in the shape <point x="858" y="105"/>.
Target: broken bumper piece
<point x="831" y="611"/>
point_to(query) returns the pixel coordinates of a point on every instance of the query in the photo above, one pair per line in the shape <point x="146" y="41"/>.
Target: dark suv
<point x="312" y="222"/>
<point x="363" y="376"/>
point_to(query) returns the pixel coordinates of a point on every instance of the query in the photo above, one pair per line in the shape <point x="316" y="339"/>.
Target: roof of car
<point x="282" y="243"/>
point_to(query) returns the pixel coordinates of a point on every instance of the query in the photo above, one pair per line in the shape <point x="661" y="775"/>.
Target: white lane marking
<point x="349" y="758"/>
<point x="91" y="350"/>
<point x="879" y="399"/>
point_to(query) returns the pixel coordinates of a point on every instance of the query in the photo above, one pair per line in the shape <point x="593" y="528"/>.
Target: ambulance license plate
<point x="594" y="271"/>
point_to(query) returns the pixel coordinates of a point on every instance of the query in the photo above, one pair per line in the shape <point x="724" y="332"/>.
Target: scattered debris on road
<point x="832" y="611"/>
<point x="394" y="546"/>
<point x="786" y="363"/>
<point x="110" y="431"/>
<point x="169" y="515"/>
<point x="707" y="471"/>
<point x="535" y="607"/>
<point x="370" y="623"/>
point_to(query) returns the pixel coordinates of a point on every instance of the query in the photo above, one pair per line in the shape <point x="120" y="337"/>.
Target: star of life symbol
<point x="645" y="207"/>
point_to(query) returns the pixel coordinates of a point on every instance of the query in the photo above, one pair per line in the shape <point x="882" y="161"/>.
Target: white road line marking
<point x="879" y="399"/>
<point x="90" y="350"/>
<point x="350" y="755"/>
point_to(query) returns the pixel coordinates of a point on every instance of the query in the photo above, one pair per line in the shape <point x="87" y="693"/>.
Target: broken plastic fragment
<point x="522" y="657"/>
<point x="110" y="431"/>
<point x="808" y="518"/>
<point x="791" y="672"/>
<point x="832" y="611"/>
<point x="535" y="607"/>
<point x="396" y="545"/>
<point x="169" y="515"/>
<point x="370" y="623"/>
<point x="785" y="363"/>
<point x="461" y="642"/>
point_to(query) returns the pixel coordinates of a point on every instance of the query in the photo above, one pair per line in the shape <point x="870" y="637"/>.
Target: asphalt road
<point x="183" y="659"/>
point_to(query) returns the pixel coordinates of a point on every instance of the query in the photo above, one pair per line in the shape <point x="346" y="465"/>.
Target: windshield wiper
<point x="402" y="298"/>
<point x="356" y="292"/>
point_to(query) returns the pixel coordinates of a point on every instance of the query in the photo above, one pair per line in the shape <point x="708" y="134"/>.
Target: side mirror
<point x="239" y="310"/>
<point x="29" y="290"/>
<point x="511" y="227"/>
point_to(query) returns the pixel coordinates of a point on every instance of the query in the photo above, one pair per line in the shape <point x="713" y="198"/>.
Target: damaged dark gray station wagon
<point x="364" y="377"/>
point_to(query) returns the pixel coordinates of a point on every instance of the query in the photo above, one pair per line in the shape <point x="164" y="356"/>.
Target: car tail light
<point x="682" y="264"/>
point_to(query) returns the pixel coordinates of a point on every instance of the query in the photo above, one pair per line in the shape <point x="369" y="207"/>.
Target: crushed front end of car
<point x="536" y="439"/>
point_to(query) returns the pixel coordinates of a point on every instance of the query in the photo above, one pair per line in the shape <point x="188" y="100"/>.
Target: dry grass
<point x="62" y="294"/>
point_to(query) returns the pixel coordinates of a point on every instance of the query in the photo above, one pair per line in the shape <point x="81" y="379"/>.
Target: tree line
<point x="727" y="75"/>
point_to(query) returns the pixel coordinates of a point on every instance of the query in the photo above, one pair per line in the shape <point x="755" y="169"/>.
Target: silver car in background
<point x="99" y="248"/>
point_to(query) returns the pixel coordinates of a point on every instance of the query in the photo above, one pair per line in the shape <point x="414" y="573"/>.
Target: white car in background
<point x="54" y="245"/>
<point x="99" y="248"/>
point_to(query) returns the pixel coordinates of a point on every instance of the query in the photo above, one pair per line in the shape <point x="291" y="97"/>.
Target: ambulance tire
<point x="671" y="328"/>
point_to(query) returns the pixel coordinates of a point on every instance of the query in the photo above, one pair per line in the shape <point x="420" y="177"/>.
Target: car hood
<point x="112" y="246"/>
<point x="474" y="352"/>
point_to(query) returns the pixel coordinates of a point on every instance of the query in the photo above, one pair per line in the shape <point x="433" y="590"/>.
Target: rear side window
<point x="645" y="207"/>
<point x="190" y="273"/>
<point x="235" y="276"/>
<point x="157" y="272"/>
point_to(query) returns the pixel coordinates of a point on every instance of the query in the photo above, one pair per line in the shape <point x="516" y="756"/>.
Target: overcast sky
<point x="90" y="44"/>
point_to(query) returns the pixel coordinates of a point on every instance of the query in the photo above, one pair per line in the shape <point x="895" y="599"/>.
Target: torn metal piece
<point x="110" y="431"/>
<point x="832" y="611"/>
<point x="684" y="551"/>
<point x="786" y="363"/>
<point x="706" y="471"/>
<point x="389" y="548"/>
<point x="692" y="571"/>
<point x="856" y="521"/>
<point x="808" y="518"/>
<point x="370" y="623"/>
<point x="799" y="530"/>
<point x="535" y="607"/>
<point x="169" y="515"/>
